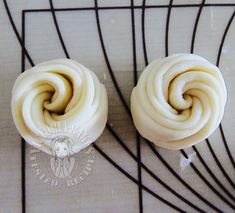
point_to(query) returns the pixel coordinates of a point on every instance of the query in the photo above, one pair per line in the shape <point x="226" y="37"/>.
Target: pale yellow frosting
<point x="179" y="101"/>
<point x="58" y="96"/>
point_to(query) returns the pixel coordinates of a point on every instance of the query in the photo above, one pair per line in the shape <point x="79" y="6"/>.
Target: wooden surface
<point x="105" y="189"/>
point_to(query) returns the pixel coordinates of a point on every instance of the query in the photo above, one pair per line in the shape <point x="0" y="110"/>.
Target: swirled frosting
<point x="59" y="96"/>
<point x="178" y="101"/>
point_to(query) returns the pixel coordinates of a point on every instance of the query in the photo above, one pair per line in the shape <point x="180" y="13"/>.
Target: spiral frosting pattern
<point x="178" y="101"/>
<point x="56" y="96"/>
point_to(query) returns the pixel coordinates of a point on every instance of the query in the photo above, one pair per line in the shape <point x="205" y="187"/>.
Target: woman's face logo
<point x="62" y="146"/>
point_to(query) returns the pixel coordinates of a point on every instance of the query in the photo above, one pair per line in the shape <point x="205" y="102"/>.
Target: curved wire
<point x="192" y="46"/>
<point x="97" y="147"/>
<point x="217" y="63"/>
<point x="209" y="185"/>
<point x="135" y="77"/>
<point x="55" y="20"/>
<point x="207" y="140"/>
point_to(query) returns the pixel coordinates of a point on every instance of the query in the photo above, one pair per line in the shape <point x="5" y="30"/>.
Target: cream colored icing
<point x="178" y="101"/>
<point x="59" y="96"/>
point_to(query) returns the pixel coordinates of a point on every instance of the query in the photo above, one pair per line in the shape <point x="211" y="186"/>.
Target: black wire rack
<point x="217" y="186"/>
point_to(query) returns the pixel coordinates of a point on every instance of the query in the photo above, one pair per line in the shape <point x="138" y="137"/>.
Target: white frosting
<point x="178" y="101"/>
<point x="59" y="96"/>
